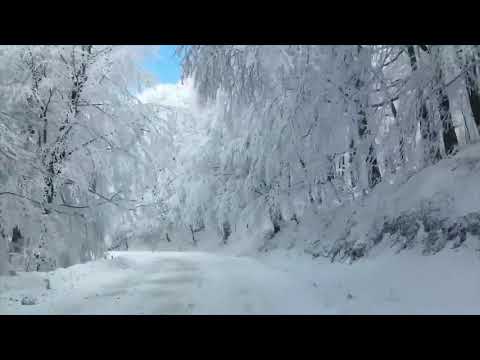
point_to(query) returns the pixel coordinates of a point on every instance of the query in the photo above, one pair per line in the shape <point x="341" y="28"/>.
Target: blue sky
<point x="164" y="64"/>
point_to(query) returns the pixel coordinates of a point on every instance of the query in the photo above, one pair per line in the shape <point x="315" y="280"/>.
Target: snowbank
<point x="434" y="209"/>
<point x="405" y="283"/>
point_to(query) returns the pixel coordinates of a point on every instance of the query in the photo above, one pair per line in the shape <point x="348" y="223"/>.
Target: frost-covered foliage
<point x="74" y="151"/>
<point x="257" y="139"/>
<point x="301" y="129"/>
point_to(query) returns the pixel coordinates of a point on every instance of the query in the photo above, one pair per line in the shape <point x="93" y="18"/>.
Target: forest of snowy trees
<point x="74" y="156"/>
<point x="275" y="134"/>
<point x="310" y="128"/>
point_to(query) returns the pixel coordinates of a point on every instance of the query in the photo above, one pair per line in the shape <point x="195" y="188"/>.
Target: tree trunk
<point x="193" y="235"/>
<point x="401" y="142"/>
<point x="58" y="154"/>
<point x="49" y="182"/>
<point x="450" y="140"/>
<point x="374" y="176"/>
<point x="428" y="133"/>
<point x="351" y="164"/>
<point x="474" y="99"/>
<point x="471" y="77"/>
<point x="373" y="171"/>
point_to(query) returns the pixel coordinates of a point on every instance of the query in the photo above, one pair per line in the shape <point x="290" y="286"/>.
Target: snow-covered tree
<point x="76" y="148"/>
<point x="310" y="127"/>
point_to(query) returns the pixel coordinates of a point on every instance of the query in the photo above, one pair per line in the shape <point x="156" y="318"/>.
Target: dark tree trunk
<point x="45" y="123"/>
<point x="227" y="231"/>
<point x="193" y="235"/>
<point x="276" y="218"/>
<point x="374" y="176"/>
<point x="472" y="88"/>
<point x="17" y="240"/>
<point x="474" y="99"/>
<point x="428" y="133"/>
<point x="450" y="140"/>
<point x="49" y="182"/>
<point x="401" y="143"/>
<point x="331" y="168"/>
<point x="57" y="156"/>
<point x="373" y="171"/>
<point x="352" y="154"/>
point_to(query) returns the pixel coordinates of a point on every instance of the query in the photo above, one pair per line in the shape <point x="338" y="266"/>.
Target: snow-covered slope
<point x="404" y="283"/>
<point x="437" y="208"/>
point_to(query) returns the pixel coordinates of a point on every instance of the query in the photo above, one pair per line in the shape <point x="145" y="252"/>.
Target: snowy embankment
<point x="435" y="209"/>
<point x="405" y="283"/>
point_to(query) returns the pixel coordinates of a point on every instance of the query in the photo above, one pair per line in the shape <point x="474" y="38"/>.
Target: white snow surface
<point x="162" y="283"/>
<point x="282" y="282"/>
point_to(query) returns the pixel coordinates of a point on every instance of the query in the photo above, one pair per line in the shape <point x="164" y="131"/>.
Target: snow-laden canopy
<point x="254" y="139"/>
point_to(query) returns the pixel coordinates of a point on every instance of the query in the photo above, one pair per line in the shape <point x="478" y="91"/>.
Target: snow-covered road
<point x="170" y="282"/>
<point x="162" y="283"/>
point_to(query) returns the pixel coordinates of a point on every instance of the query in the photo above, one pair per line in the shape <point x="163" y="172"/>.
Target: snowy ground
<point x="404" y="283"/>
<point x="161" y="283"/>
<point x="281" y="283"/>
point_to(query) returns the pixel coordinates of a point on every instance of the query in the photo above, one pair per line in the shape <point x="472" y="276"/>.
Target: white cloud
<point x="175" y="95"/>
